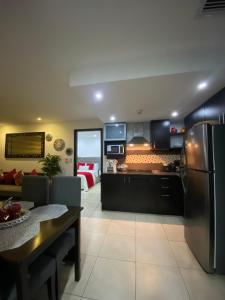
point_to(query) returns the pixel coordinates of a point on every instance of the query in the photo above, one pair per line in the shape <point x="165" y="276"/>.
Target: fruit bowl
<point x="11" y="214"/>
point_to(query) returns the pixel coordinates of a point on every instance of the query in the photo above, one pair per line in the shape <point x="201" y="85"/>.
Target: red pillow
<point x="91" y="166"/>
<point x="18" y="177"/>
<point x="1" y="178"/>
<point x="9" y="177"/>
<point x="33" y="173"/>
<point x="80" y="164"/>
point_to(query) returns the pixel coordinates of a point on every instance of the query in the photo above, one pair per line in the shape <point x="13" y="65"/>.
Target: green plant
<point x="50" y="165"/>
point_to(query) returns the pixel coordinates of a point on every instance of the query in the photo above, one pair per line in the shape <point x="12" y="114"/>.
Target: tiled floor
<point x="127" y="256"/>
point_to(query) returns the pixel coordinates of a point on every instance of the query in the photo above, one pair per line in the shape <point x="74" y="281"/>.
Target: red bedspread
<point x="89" y="178"/>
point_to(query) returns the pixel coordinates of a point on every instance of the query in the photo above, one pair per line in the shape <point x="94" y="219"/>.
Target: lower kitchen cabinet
<point x="142" y="193"/>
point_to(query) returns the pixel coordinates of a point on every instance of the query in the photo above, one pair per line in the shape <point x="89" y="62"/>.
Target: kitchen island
<point x="142" y="191"/>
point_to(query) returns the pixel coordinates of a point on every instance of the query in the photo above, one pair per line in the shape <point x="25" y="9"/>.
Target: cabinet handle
<point x="223" y="118"/>
<point x="164" y="178"/>
<point x="220" y="119"/>
<point x="165" y="187"/>
<point x="124" y="179"/>
<point x="166" y="195"/>
<point x="129" y="179"/>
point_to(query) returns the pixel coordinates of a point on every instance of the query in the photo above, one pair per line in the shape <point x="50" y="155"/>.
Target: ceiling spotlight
<point x="202" y="85"/>
<point x="174" y="114"/>
<point x="146" y="145"/>
<point x="98" y="96"/>
<point x="39" y="119"/>
<point x="131" y="145"/>
<point x="112" y="118"/>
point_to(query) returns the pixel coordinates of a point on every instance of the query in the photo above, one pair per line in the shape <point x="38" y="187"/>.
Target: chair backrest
<point x="36" y="189"/>
<point x="66" y="190"/>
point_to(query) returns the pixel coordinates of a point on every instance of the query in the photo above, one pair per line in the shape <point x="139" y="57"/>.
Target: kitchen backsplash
<point x="151" y="158"/>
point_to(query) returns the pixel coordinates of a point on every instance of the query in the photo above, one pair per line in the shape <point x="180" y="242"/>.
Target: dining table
<point x="20" y="258"/>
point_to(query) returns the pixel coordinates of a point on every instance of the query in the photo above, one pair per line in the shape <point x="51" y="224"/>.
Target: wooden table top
<point x="49" y="231"/>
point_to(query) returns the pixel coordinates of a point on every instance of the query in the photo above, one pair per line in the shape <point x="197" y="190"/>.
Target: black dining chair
<point x="64" y="190"/>
<point x="41" y="271"/>
<point x="36" y="189"/>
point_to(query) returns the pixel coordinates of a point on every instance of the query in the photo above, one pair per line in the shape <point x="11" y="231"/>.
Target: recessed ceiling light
<point x="95" y="135"/>
<point x="39" y="119"/>
<point x="112" y="118"/>
<point x="174" y="114"/>
<point x="202" y="85"/>
<point x="98" y="96"/>
<point x="146" y="145"/>
<point x="131" y="145"/>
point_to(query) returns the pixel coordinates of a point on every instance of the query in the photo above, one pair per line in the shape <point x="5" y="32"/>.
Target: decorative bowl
<point x="25" y="214"/>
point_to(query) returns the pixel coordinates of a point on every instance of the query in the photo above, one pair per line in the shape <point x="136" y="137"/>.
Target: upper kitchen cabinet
<point x="215" y="108"/>
<point x="195" y="117"/>
<point x="115" y="132"/>
<point x="160" y="134"/>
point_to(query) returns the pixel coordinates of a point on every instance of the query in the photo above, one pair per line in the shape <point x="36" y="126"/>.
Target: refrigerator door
<point x="199" y="218"/>
<point x="198" y="148"/>
<point x="219" y="195"/>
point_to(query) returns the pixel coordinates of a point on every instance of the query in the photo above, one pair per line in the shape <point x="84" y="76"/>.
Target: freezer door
<point x="198" y="147"/>
<point x="199" y="218"/>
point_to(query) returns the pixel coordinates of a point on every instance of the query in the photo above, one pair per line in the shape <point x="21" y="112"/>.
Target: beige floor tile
<point x="175" y="220"/>
<point x="111" y="280"/>
<point x="202" y="286"/>
<point x="156" y="252"/>
<point x="183" y="255"/>
<point x="66" y="296"/>
<point x="159" y="283"/>
<point x="118" y="247"/>
<point x="174" y="232"/>
<point x="122" y="216"/>
<point x="91" y="242"/>
<point x="150" y="231"/>
<point x="148" y="218"/>
<point x="68" y="284"/>
<point x="96" y="225"/>
<point x="122" y="227"/>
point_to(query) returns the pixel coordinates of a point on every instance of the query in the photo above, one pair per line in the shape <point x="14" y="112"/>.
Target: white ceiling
<point x="142" y="54"/>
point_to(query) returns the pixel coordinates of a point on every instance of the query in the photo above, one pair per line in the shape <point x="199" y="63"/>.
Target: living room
<point x="147" y="77"/>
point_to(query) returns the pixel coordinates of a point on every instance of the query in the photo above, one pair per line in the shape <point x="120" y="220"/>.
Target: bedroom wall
<point x="89" y="146"/>
<point x="64" y="130"/>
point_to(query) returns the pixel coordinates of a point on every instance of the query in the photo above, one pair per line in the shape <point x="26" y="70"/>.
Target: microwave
<point x="115" y="149"/>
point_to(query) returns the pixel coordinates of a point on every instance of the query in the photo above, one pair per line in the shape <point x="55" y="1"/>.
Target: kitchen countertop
<point x="138" y="172"/>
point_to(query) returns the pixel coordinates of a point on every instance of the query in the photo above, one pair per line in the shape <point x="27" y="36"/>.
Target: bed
<point x="88" y="173"/>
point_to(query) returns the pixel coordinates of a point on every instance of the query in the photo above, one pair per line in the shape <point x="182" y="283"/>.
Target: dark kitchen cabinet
<point x="168" y="194"/>
<point x="195" y="117"/>
<point x="142" y="193"/>
<point x="160" y="134"/>
<point x="215" y="108"/>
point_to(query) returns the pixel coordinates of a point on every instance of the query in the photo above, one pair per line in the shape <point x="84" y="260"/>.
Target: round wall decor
<point x="59" y="144"/>
<point x="69" y="151"/>
<point x="48" y="137"/>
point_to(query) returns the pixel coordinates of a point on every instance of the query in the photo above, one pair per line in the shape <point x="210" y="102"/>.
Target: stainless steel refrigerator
<point x="204" y="208"/>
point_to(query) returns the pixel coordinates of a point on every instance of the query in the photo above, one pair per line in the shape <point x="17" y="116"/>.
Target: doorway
<point x="88" y="156"/>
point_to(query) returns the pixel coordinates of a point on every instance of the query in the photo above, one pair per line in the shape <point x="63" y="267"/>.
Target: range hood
<point x="138" y="133"/>
<point x="138" y="140"/>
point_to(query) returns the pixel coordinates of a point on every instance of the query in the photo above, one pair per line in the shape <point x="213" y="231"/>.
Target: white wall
<point x="63" y="130"/>
<point x="89" y="144"/>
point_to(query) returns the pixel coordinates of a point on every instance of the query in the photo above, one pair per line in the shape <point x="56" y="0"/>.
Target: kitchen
<point x="190" y="183"/>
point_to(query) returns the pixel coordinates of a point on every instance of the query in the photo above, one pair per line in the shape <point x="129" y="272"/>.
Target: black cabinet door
<point x="215" y="108"/>
<point x="195" y="117"/>
<point x="114" y="191"/>
<point x="139" y="193"/>
<point x="160" y="134"/>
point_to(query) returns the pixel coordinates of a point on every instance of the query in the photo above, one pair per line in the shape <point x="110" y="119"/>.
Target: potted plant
<point x="50" y="165"/>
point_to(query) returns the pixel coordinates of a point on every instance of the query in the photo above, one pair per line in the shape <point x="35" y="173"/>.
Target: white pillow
<point x="84" y="168"/>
